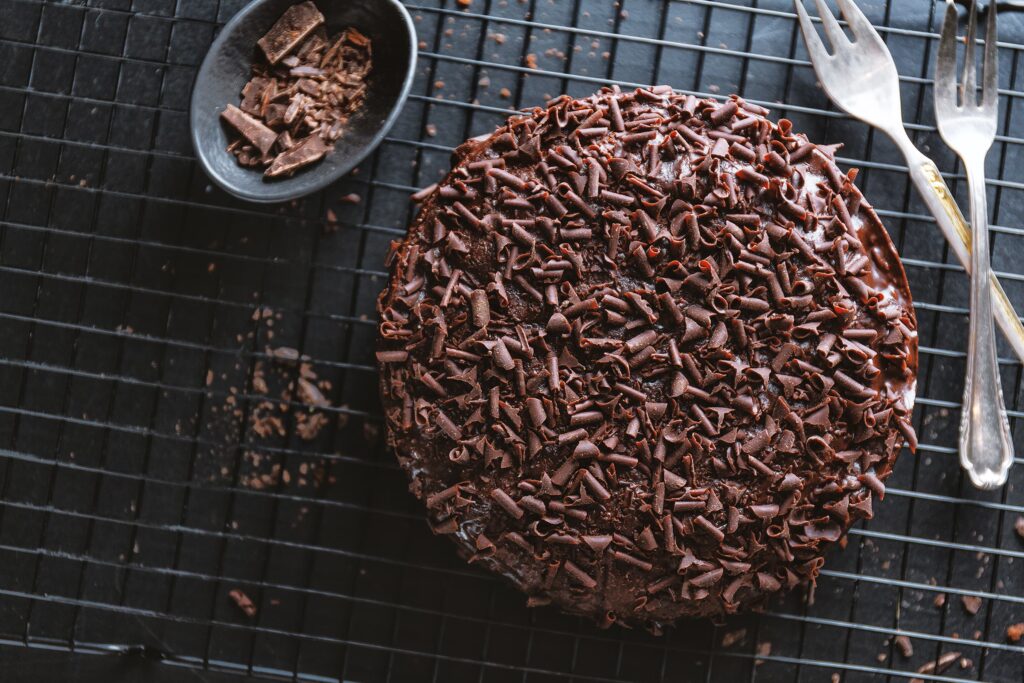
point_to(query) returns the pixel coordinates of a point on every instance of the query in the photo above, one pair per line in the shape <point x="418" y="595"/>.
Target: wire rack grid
<point x="143" y="314"/>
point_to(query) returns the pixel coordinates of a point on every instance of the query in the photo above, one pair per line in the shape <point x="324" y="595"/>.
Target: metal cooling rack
<point x="127" y="281"/>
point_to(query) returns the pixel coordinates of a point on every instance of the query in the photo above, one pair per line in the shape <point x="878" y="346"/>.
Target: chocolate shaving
<point x="580" y="576"/>
<point x="904" y="645"/>
<point x="506" y="503"/>
<point x="937" y="666"/>
<point x="243" y="602"/>
<point x="298" y="101"/>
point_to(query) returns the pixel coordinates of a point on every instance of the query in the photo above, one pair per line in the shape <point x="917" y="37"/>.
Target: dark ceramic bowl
<point x="226" y="69"/>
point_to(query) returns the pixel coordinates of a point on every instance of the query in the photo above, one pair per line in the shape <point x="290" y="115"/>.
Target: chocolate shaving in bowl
<point x="301" y="94"/>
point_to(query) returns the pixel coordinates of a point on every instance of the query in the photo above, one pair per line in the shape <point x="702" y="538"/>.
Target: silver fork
<point x="969" y="127"/>
<point x="860" y="77"/>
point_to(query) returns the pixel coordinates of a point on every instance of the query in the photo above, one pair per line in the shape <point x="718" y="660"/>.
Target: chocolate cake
<point x="647" y="356"/>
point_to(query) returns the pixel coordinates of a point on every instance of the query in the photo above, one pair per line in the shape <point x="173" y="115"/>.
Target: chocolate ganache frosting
<point x="647" y="356"/>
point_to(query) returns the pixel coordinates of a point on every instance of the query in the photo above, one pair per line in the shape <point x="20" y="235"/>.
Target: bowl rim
<point x="285" y="195"/>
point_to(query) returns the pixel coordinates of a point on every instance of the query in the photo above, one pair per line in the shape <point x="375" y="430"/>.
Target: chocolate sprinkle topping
<point x="671" y="355"/>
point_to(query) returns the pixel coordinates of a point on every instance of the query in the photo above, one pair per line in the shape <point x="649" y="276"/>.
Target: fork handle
<point x="937" y="197"/>
<point x="986" y="451"/>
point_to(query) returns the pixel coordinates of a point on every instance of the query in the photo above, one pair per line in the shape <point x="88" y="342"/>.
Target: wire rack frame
<point x="127" y="280"/>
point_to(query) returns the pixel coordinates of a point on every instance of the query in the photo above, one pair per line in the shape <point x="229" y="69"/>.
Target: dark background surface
<point x="126" y="279"/>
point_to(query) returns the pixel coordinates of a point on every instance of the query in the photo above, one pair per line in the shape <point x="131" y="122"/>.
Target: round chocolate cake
<point x="646" y="355"/>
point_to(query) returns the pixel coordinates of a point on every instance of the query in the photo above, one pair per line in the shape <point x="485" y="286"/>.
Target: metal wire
<point x="136" y="302"/>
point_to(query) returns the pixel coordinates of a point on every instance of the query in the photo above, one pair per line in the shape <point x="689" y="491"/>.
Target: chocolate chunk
<point x="251" y="129"/>
<point x="295" y="24"/>
<point x="304" y="153"/>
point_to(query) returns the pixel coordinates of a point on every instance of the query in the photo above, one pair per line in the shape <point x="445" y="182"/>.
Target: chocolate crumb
<point x="971" y="603"/>
<point x="940" y="600"/>
<point x="350" y="198"/>
<point x="300" y="96"/>
<point x="1015" y="632"/>
<point x="764" y="649"/>
<point x="730" y="638"/>
<point x="904" y="645"/>
<point x="1018" y="526"/>
<point x="243" y="602"/>
<point x="308" y="426"/>
<point x="285" y="353"/>
<point x="250" y="128"/>
<point x="937" y="666"/>
<point x="649" y="344"/>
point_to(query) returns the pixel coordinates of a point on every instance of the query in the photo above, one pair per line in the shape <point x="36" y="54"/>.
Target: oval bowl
<point x="226" y="68"/>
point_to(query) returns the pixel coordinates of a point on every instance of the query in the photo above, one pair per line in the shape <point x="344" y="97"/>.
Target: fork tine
<point x="815" y="49"/>
<point x="833" y="32"/>
<point x="859" y="25"/>
<point x="990" y="71"/>
<point x="970" y="82"/>
<point x="945" y="63"/>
